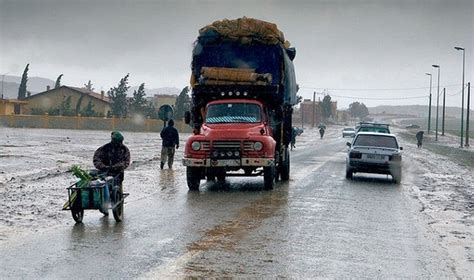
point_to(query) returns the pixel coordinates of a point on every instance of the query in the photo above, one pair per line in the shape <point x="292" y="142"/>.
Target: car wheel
<point x="397" y="176"/>
<point x="349" y="173"/>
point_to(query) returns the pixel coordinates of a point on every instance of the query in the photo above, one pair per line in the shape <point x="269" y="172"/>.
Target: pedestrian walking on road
<point x="170" y="137"/>
<point x="294" y="132"/>
<point x="419" y="138"/>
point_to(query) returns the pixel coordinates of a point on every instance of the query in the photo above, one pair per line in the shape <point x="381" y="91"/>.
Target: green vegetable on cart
<point x="85" y="179"/>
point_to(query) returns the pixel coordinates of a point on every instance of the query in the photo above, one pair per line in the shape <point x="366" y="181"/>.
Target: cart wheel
<point x="77" y="211"/>
<point x="118" y="210"/>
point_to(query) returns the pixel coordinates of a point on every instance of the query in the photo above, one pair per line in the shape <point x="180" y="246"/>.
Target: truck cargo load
<point x="246" y="45"/>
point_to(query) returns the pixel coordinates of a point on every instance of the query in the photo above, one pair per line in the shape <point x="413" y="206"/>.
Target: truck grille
<point x="248" y="146"/>
<point x="228" y="145"/>
<point x="205" y="146"/>
<point x="223" y="145"/>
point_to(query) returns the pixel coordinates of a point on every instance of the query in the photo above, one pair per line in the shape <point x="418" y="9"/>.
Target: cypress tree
<point x="138" y="102"/>
<point x="58" y="81"/>
<point x="118" y="98"/>
<point x="24" y="80"/>
<point x="78" y="104"/>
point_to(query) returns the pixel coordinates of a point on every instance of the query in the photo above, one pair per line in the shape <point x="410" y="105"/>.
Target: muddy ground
<point x="35" y="163"/>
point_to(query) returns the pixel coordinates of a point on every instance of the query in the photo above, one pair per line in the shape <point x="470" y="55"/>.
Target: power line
<point x="374" y="98"/>
<point x="454" y="94"/>
<point x="370" y="89"/>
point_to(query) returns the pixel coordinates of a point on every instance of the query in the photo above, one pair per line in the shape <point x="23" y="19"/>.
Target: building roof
<point x="79" y="90"/>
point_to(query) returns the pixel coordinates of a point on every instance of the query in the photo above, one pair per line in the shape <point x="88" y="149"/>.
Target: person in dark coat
<point x="294" y="132"/>
<point x="419" y="138"/>
<point x="170" y="137"/>
<point x="113" y="158"/>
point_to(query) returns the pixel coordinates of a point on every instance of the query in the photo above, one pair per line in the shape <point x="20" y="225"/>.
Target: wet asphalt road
<point x="316" y="225"/>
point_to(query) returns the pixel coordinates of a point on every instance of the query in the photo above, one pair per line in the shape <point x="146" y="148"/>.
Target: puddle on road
<point x="226" y="235"/>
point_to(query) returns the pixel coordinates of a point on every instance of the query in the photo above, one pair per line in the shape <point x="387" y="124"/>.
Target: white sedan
<point x="374" y="153"/>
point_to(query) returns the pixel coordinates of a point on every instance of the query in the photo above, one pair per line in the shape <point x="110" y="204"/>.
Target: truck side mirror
<point x="401" y="148"/>
<point x="187" y="117"/>
<point x="291" y="52"/>
<point x="348" y="144"/>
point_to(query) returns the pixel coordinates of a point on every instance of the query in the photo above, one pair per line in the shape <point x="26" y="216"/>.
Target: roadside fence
<point x="88" y="123"/>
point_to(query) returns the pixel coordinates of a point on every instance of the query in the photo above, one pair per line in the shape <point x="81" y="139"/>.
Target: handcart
<point x="101" y="194"/>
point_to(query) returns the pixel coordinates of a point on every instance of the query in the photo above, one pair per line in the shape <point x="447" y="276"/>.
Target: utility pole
<point x="462" y="96"/>
<point x="302" y="115"/>
<point x="314" y="109"/>
<point x="444" y="110"/>
<point x="429" y="106"/>
<point x="467" y="115"/>
<point x="437" y="101"/>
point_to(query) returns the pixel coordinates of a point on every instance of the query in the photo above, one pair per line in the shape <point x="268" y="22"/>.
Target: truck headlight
<point x="196" y="146"/>
<point x="257" y="146"/>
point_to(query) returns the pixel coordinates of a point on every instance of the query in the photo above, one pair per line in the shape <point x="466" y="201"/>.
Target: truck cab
<point x="235" y="135"/>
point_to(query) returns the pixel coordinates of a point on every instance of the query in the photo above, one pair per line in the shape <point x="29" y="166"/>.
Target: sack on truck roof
<point x="222" y="76"/>
<point x="245" y="30"/>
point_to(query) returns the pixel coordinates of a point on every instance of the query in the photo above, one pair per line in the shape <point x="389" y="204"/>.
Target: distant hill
<point x="416" y="110"/>
<point x="34" y="85"/>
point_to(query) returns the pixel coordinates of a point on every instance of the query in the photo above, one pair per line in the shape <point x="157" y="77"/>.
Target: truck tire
<point x="220" y="175"/>
<point x="285" y="166"/>
<point x="268" y="177"/>
<point x="193" y="178"/>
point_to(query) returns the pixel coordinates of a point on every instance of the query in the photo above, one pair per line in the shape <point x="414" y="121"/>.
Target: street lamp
<point x="462" y="96"/>
<point x="437" y="101"/>
<point x="429" y="109"/>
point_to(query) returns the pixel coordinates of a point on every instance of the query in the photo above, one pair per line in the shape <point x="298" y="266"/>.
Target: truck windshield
<point x="233" y="113"/>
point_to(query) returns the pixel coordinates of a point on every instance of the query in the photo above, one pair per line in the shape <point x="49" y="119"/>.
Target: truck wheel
<point x="397" y="176"/>
<point x="268" y="177"/>
<point x="285" y="167"/>
<point x="193" y="178"/>
<point x="221" y="175"/>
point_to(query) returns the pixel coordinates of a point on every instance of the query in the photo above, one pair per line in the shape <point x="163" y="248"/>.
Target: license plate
<point x="225" y="162"/>
<point x="371" y="156"/>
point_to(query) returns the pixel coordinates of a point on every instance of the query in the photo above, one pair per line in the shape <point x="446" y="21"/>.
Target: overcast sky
<point x="376" y="50"/>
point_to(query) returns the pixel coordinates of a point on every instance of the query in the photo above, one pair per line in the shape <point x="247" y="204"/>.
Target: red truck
<point x="243" y="92"/>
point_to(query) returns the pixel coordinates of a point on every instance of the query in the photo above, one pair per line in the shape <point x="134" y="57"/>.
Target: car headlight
<point x="196" y="146"/>
<point x="257" y="146"/>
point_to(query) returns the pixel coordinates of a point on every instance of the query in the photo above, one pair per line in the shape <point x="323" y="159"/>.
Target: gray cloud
<point x="340" y="45"/>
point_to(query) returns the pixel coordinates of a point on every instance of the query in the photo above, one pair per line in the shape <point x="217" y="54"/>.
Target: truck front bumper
<point x="255" y="162"/>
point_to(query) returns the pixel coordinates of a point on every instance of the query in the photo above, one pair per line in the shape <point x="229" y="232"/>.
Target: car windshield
<point x="233" y="113"/>
<point x="348" y="129"/>
<point x="376" y="141"/>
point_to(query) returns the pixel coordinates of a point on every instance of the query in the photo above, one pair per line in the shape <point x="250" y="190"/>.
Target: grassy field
<point x="460" y="156"/>
<point x="452" y="126"/>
